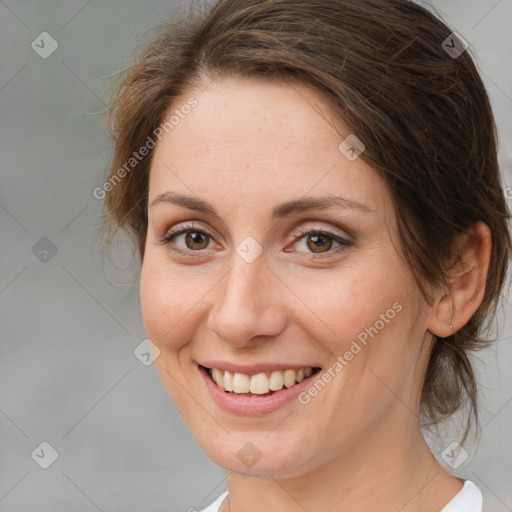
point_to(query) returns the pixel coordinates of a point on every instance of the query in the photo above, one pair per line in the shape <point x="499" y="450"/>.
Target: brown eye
<point x="196" y="240"/>
<point x="191" y="239"/>
<point x="319" y="243"/>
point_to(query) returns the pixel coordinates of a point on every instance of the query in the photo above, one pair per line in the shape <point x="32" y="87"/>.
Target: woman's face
<point x="284" y="256"/>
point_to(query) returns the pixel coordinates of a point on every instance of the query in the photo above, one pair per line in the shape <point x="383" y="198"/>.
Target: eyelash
<point x="299" y="234"/>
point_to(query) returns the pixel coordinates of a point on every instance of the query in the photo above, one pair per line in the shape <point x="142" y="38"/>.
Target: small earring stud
<point x="451" y="327"/>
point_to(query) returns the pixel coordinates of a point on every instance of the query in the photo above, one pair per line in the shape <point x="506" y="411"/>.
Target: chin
<point x="257" y="454"/>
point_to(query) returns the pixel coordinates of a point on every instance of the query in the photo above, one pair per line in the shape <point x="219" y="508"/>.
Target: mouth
<point x="260" y="384"/>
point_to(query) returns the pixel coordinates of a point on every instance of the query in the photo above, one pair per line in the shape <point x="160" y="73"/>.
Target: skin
<point x="246" y="147"/>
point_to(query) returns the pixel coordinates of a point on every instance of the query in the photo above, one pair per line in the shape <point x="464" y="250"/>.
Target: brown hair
<point x="423" y="115"/>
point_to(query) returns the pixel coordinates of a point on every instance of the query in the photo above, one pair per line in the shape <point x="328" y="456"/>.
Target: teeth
<point x="275" y="383"/>
<point x="260" y="383"/>
<point x="289" y="378"/>
<point x="241" y="383"/>
<point x="228" y="381"/>
<point x="218" y="377"/>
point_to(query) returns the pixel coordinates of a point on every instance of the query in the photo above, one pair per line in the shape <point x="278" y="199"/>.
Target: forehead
<point x="249" y="139"/>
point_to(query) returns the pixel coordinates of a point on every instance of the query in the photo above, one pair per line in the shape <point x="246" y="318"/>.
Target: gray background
<point x="69" y="321"/>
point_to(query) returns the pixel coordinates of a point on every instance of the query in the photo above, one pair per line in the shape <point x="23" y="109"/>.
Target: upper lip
<point x="252" y="369"/>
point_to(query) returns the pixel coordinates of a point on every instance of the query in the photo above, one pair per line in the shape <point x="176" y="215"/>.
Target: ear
<point x="453" y="308"/>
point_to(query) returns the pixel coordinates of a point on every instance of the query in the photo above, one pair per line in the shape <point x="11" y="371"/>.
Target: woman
<point x="314" y="192"/>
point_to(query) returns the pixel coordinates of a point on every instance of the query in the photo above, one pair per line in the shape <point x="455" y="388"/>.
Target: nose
<point x="246" y="306"/>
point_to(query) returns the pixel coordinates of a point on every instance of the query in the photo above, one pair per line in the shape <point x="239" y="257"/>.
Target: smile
<point x="263" y="383"/>
<point x="256" y="389"/>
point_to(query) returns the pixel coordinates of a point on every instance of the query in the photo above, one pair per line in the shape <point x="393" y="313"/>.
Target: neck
<point x="392" y="469"/>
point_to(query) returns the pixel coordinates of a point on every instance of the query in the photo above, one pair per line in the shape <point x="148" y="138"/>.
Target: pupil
<point x="319" y="242"/>
<point x="193" y="239"/>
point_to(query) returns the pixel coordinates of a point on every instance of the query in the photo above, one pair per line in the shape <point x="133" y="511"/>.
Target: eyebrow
<point x="280" y="211"/>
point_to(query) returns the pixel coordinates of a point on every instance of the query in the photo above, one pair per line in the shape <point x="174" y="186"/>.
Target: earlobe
<point x="441" y="321"/>
<point x="468" y="277"/>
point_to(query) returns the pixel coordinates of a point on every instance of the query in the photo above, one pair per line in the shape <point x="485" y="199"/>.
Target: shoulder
<point x="214" y="507"/>
<point x="469" y="499"/>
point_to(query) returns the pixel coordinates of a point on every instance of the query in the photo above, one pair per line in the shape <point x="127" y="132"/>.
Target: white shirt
<point x="469" y="499"/>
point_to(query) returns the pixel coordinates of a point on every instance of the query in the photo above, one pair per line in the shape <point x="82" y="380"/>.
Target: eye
<point x="320" y="242"/>
<point x="186" y="239"/>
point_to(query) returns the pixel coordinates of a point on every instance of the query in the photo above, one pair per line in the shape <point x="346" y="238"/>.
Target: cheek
<point x="365" y="322"/>
<point x="169" y="302"/>
<point x="352" y="305"/>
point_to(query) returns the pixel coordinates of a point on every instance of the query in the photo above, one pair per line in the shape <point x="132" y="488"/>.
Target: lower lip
<point x="253" y="405"/>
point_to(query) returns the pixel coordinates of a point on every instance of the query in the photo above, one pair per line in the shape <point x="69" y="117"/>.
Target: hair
<point x="424" y="117"/>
